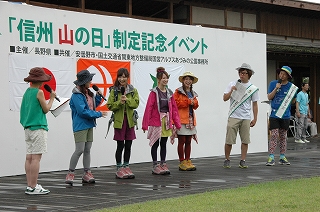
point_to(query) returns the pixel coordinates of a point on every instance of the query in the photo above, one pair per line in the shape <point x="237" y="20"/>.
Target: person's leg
<point x="163" y="149"/>
<point x="227" y="151"/>
<point x="187" y="148"/>
<point x="127" y="152"/>
<point x="87" y="156"/>
<point x="181" y="143"/>
<point x="305" y="127"/>
<point x="154" y="150"/>
<point x="27" y="165"/>
<point x="299" y="127"/>
<point x="79" y="148"/>
<point x="274" y="136"/>
<point x="34" y="167"/>
<point x="244" y="150"/>
<point x="282" y="141"/>
<point x="118" y="155"/>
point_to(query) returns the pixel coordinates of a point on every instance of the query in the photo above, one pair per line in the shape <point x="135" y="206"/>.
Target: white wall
<point x="226" y="51"/>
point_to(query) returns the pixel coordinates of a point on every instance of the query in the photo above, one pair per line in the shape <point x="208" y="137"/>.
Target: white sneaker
<point x="38" y="190"/>
<point x="299" y="141"/>
<point x="306" y="141"/>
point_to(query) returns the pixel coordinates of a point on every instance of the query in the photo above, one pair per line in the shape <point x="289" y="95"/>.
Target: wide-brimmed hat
<point x="83" y="77"/>
<point x="245" y="66"/>
<point x="287" y="69"/>
<point x="190" y="74"/>
<point x="37" y="74"/>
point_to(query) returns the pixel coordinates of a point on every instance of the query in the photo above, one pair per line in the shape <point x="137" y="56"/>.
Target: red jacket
<point x="151" y="116"/>
<point x="183" y="102"/>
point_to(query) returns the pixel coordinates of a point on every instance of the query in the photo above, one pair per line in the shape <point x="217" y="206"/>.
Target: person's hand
<point x="253" y="122"/>
<point x="53" y="94"/>
<point x="278" y="85"/>
<point x="123" y="99"/>
<point x="298" y="114"/>
<point x="104" y="113"/>
<point x="233" y="88"/>
<point x="192" y="101"/>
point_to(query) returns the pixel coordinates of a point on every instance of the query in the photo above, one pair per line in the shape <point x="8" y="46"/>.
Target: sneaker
<point x="226" y="164"/>
<point x="38" y="190"/>
<point x="88" y="177"/>
<point x="305" y="141"/>
<point x="190" y="165"/>
<point x="242" y="164"/>
<point x="129" y="172"/>
<point x="270" y="162"/>
<point x="284" y="161"/>
<point x="299" y="141"/>
<point x="28" y="189"/>
<point x="165" y="168"/>
<point x="121" y="173"/>
<point x="158" y="170"/>
<point x="183" y="166"/>
<point x="69" y="178"/>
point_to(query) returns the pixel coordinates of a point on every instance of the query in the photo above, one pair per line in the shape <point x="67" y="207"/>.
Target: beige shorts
<point x="235" y="125"/>
<point x="36" y="141"/>
<point x="83" y="135"/>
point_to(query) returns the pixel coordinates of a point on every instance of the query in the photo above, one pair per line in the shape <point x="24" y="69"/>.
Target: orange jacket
<point x="183" y="103"/>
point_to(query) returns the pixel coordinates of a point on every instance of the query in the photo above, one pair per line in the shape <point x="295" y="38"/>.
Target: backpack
<point x="135" y="112"/>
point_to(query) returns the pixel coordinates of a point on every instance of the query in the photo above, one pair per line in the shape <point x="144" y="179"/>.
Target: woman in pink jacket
<point x="160" y="113"/>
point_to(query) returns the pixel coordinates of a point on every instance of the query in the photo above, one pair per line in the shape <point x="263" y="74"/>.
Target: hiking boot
<point x="190" y="165"/>
<point x="306" y="141"/>
<point x="38" y="190"/>
<point x="299" y="141"/>
<point x="129" y="172"/>
<point x="226" y="164"/>
<point x="88" y="177"/>
<point x="242" y="164"/>
<point x="183" y="166"/>
<point x="284" y="161"/>
<point x="165" y="168"/>
<point x="121" y="173"/>
<point x="158" y="170"/>
<point x="69" y="178"/>
<point x="270" y="162"/>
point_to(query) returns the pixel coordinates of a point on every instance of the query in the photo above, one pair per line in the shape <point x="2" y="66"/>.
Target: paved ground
<point x="110" y="192"/>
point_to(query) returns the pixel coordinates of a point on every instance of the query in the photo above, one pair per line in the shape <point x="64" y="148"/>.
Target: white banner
<point x="62" y="71"/>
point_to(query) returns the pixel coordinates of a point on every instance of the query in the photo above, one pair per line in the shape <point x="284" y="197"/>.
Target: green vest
<point x="31" y="113"/>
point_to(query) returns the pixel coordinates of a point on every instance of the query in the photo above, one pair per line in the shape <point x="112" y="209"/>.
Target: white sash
<point x="249" y="92"/>
<point x="286" y="101"/>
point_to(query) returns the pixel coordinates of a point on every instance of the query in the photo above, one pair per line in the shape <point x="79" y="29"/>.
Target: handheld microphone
<point x="279" y="81"/>
<point x="97" y="89"/>
<point x="122" y="89"/>
<point x="48" y="88"/>
<point x="239" y="80"/>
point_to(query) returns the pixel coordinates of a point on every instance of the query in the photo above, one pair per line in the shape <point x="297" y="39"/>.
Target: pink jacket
<point x="151" y="116"/>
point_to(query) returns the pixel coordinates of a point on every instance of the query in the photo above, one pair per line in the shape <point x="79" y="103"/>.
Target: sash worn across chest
<point x="249" y="92"/>
<point x="286" y="101"/>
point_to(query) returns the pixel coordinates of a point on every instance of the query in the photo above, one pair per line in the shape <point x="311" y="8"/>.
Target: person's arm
<point x="297" y="109"/>
<point x="226" y="96"/>
<point x="255" y="113"/>
<point x="44" y="105"/>
<point x="274" y="91"/>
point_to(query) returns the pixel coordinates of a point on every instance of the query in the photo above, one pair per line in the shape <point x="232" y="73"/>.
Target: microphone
<point x="279" y="81"/>
<point x="47" y="87"/>
<point x="97" y="89"/>
<point x="122" y="89"/>
<point x="239" y="80"/>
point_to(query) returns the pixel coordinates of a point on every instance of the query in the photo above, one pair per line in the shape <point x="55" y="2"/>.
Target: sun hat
<point x="37" y="74"/>
<point x="245" y="66"/>
<point x="190" y="74"/>
<point x="83" y="77"/>
<point x="287" y="69"/>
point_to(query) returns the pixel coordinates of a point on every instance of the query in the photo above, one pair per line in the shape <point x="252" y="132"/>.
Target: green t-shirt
<point x="31" y="113"/>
